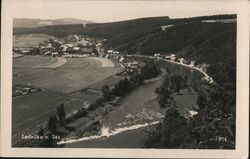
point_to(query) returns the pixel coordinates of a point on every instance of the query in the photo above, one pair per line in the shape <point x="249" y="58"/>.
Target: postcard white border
<point x="241" y="151"/>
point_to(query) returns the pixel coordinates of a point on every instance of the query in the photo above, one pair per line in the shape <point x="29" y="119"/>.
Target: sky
<point x="109" y="11"/>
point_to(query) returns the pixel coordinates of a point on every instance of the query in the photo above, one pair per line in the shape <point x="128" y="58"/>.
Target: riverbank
<point x="134" y="111"/>
<point x="207" y="77"/>
<point x="136" y="140"/>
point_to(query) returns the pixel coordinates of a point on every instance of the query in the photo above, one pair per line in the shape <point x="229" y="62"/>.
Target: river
<point x="128" y="125"/>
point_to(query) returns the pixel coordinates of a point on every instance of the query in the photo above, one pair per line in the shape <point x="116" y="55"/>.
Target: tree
<point x="176" y="81"/>
<point x="106" y="92"/>
<point x="170" y="115"/>
<point x="185" y="81"/>
<point x="94" y="48"/>
<point x="201" y="101"/>
<point x="40" y="132"/>
<point x="169" y="134"/>
<point x="49" y="142"/>
<point x="60" y="112"/>
<point x="157" y="90"/>
<point x="164" y="93"/>
<point x="52" y="123"/>
<point x="167" y="70"/>
<point x="35" y="51"/>
<point x="164" y="99"/>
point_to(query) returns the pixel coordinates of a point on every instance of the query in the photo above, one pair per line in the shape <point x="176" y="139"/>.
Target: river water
<point x="128" y="125"/>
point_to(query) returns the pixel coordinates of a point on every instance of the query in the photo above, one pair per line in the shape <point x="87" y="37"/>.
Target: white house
<point x="107" y="56"/>
<point x="157" y="55"/>
<point x="133" y="64"/>
<point x="54" y="54"/>
<point x="25" y="51"/>
<point x="64" y="48"/>
<point x="122" y="59"/>
<point x="168" y="57"/>
<point x="49" y="45"/>
<point x="190" y="114"/>
<point x="76" y="48"/>
<point x="172" y="57"/>
<point x="192" y="63"/>
<point x="110" y="51"/>
<point x="47" y="53"/>
<point x="181" y="60"/>
<point x="77" y="38"/>
<point x="68" y="45"/>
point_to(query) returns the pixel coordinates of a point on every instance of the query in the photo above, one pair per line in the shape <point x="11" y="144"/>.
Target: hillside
<point x="31" y="23"/>
<point x="210" y="40"/>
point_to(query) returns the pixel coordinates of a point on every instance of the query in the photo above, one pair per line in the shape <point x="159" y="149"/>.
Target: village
<point x="78" y="46"/>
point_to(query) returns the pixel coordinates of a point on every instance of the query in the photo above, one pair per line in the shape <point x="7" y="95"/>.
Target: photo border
<point x="242" y="102"/>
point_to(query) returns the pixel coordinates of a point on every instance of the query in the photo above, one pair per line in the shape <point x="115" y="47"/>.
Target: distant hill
<point x="32" y="23"/>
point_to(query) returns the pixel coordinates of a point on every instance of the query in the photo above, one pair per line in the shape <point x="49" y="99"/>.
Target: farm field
<point x="104" y="62"/>
<point x="33" y="61"/>
<point x="75" y="74"/>
<point x="32" y="111"/>
<point x="27" y="111"/>
<point x="58" y="85"/>
<point x="108" y="81"/>
<point x="30" y="40"/>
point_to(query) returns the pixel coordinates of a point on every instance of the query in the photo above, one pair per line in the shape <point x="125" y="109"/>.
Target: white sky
<point x="108" y="11"/>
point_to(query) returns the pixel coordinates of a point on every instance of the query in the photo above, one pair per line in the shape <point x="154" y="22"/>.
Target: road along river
<point x="137" y="113"/>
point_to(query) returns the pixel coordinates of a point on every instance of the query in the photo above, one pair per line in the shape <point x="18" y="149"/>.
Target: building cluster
<point x="201" y="67"/>
<point x="20" y="90"/>
<point x="173" y="58"/>
<point x="60" y="48"/>
<point x="67" y="47"/>
<point x="131" y="66"/>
